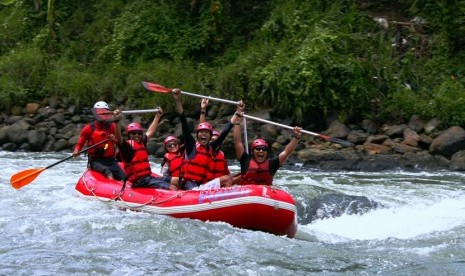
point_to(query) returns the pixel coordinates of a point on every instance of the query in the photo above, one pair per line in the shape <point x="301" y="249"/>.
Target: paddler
<point x="105" y="127"/>
<point x="257" y="168"/>
<point x="198" y="154"/>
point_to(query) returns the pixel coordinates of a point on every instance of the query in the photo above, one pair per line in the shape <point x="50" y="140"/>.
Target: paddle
<point x="103" y="114"/>
<point x="324" y="137"/>
<point x="25" y="177"/>
<point x="159" y="88"/>
<point x="245" y="135"/>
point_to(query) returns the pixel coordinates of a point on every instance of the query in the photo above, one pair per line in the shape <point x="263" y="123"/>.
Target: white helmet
<point x="101" y="104"/>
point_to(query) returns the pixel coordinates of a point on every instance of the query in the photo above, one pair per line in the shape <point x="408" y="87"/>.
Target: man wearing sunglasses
<point x="257" y="168"/>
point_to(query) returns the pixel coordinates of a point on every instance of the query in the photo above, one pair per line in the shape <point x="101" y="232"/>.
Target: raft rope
<point x="152" y="201"/>
<point x="131" y="206"/>
<point x="92" y="189"/>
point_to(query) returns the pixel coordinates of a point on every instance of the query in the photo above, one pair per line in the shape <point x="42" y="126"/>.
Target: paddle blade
<point x="341" y="142"/>
<point x="25" y="177"/>
<point x="155" y="87"/>
<point x="344" y="143"/>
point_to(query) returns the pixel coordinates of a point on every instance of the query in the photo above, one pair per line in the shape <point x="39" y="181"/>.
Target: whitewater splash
<point x="406" y="222"/>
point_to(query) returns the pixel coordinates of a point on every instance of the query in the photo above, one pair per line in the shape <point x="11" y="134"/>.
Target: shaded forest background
<point x="381" y="60"/>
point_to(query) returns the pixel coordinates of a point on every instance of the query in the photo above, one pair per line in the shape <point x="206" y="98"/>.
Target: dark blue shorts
<point x="106" y="166"/>
<point x="153" y="182"/>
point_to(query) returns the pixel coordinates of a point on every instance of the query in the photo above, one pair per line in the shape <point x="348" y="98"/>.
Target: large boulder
<point x="411" y="137"/>
<point x="357" y="137"/>
<point x="4" y="134"/>
<point x="319" y="203"/>
<point x="32" y="108"/>
<point x="457" y="161"/>
<point x="17" y="132"/>
<point x="60" y="145"/>
<point x="448" y="142"/>
<point x="395" y="130"/>
<point x="338" y="130"/>
<point x="36" y="139"/>
<point x="416" y="123"/>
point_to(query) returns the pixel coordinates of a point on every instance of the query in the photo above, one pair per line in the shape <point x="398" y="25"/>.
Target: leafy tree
<point x="299" y="59"/>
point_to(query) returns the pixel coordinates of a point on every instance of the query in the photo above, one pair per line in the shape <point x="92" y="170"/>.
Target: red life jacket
<point x="258" y="174"/>
<point x="196" y="169"/>
<point x="174" y="161"/>
<point x="218" y="165"/>
<point x="139" y="165"/>
<point x="100" y="132"/>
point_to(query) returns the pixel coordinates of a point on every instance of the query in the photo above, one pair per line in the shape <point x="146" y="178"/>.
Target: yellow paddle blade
<point x="25" y="177"/>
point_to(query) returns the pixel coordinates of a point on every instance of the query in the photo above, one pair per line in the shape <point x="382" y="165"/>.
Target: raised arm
<point x="189" y="140"/>
<point x="236" y="120"/>
<point x="177" y="99"/>
<point x="203" y="110"/>
<point x="153" y="126"/>
<point x="118" y="135"/>
<point x="227" y="128"/>
<point x="291" y="146"/>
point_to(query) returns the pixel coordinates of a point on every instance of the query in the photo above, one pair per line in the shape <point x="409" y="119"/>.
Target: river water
<point x="46" y="228"/>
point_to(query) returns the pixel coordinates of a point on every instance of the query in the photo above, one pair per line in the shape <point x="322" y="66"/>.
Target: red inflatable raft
<point x="251" y="207"/>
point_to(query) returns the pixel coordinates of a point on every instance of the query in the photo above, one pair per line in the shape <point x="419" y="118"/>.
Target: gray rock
<point x="457" y="161"/>
<point x="60" y="145"/>
<point x="416" y="123"/>
<point x="431" y="125"/>
<point x="449" y="142"/>
<point x="36" y="139"/>
<point x="4" y="134"/>
<point x="338" y="130"/>
<point x="395" y="130"/>
<point x="17" y="133"/>
<point x="369" y="126"/>
<point x="9" y="147"/>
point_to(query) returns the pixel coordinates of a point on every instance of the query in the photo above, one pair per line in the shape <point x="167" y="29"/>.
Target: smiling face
<point x="135" y="135"/>
<point x="204" y="136"/>
<point x="260" y="154"/>
<point x="172" y="147"/>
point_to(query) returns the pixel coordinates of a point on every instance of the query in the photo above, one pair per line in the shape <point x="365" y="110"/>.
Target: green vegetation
<point x="303" y="59"/>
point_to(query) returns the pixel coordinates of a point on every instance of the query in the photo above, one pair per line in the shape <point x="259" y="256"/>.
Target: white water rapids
<point x="47" y="229"/>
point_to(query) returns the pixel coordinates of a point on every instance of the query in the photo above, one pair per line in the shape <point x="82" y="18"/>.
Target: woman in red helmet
<point x="198" y="154"/>
<point x="172" y="160"/>
<point x="136" y="159"/>
<point x="256" y="167"/>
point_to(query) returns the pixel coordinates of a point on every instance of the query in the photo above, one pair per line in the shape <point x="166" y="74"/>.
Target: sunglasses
<point x="172" y="145"/>
<point x="135" y="133"/>
<point x="259" y="149"/>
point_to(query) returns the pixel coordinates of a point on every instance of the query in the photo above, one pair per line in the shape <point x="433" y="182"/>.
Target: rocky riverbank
<point x="417" y="144"/>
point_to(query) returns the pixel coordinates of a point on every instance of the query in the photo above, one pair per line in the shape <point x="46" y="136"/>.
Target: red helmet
<point x="206" y="126"/>
<point x="169" y="139"/>
<point x="259" y="143"/>
<point x="215" y="133"/>
<point x="134" y="127"/>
